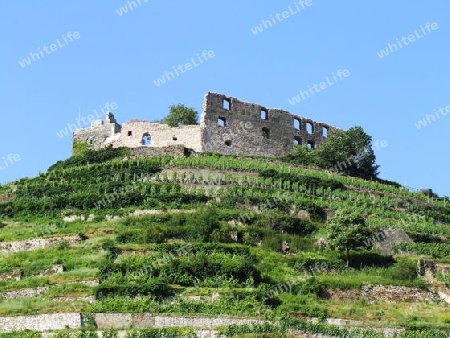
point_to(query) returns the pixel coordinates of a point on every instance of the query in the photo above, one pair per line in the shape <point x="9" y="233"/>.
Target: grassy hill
<point x="220" y="236"/>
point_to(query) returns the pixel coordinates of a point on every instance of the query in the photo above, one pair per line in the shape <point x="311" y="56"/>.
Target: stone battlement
<point x="228" y="126"/>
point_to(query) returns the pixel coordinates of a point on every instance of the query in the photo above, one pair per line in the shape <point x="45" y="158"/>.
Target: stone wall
<point x="38" y="243"/>
<point x="24" y="293"/>
<point x="205" y="326"/>
<point x="173" y="150"/>
<point x="144" y="137"/>
<point x="231" y="126"/>
<point x="98" y="133"/>
<point x="11" y="275"/>
<point x="55" y="321"/>
<point x="228" y="126"/>
<point x="59" y="321"/>
<point x="4" y="198"/>
<point x="161" y="135"/>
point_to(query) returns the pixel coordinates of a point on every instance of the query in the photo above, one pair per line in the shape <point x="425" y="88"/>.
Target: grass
<point x="356" y="278"/>
<point x="395" y="314"/>
<point x="38" y="305"/>
<point x="19" y="231"/>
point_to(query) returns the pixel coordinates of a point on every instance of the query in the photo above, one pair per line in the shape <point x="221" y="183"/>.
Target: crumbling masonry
<point x="227" y="126"/>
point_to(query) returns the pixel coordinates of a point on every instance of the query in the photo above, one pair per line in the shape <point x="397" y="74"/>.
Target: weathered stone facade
<point x="228" y="126"/>
<point x="231" y="126"/>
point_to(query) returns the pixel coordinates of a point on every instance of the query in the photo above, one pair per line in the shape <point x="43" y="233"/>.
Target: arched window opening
<point x="146" y="139"/>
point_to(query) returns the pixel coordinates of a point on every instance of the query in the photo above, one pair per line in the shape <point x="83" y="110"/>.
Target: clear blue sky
<point x="116" y="58"/>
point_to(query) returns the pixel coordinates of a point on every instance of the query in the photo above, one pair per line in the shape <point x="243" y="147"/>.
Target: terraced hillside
<point x="211" y="245"/>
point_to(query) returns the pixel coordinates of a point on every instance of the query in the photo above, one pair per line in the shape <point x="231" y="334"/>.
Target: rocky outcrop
<point x="381" y="293"/>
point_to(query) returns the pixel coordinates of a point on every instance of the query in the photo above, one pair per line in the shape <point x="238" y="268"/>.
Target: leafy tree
<point x="348" y="231"/>
<point x="180" y="115"/>
<point x="349" y="152"/>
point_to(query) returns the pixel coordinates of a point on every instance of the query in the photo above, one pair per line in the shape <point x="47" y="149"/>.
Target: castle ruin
<point x="227" y="126"/>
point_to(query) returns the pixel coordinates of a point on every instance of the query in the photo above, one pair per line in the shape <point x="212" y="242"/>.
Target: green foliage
<point x="312" y="285"/>
<point x="90" y="156"/>
<point x="203" y="225"/>
<point x="110" y="247"/>
<point x="156" y="288"/>
<point x="363" y="258"/>
<point x="21" y="334"/>
<point x="352" y="149"/>
<point x="239" y="272"/>
<point x="79" y="148"/>
<point x="202" y="265"/>
<point x="296" y="324"/>
<point x="313" y="262"/>
<point x="348" y="231"/>
<point x="404" y="270"/>
<point x="436" y="250"/>
<point x="420" y="237"/>
<point x="283" y="223"/>
<point x="170" y="332"/>
<point x="230" y="249"/>
<point x="349" y="152"/>
<point x="302" y="154"/>
<point x="111" y="333"/>
<point x="180" y="115"/>
<point x="313" y="182"/>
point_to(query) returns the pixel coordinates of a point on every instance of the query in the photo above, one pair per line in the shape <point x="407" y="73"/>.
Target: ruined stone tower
<point x="228" y="126"/>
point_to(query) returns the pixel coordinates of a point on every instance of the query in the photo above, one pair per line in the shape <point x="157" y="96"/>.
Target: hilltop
<point x="243" y="240"/>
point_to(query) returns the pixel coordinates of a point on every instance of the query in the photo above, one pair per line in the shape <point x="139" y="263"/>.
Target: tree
<point x="348" y="231"/>
<point x="349" y="152"/>
<point x="301" y="154"/>
<point x="180" y="115"/>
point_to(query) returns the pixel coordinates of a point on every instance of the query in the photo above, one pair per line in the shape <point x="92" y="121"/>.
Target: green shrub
<point x="283" y="223"/>
<point x="421" y="237"/>
<point x="202" y="223"/>
<point x="369" y="258"/>
<point x="83" y="156"/>
<point x="156" y="288"/>
<point x="404" y="270"/>
<point x="112" y="250"/>
<point x="311" y="285"/>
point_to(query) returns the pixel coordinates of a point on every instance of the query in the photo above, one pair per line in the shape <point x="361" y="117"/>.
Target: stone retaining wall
<point x="205" y="326"/>
<point x="24" y="293"/>
<point x="37" y="243"/>
<point x="59" y="321"/>
<point x="173" y="150"/>
<point x="55" y="321"/>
